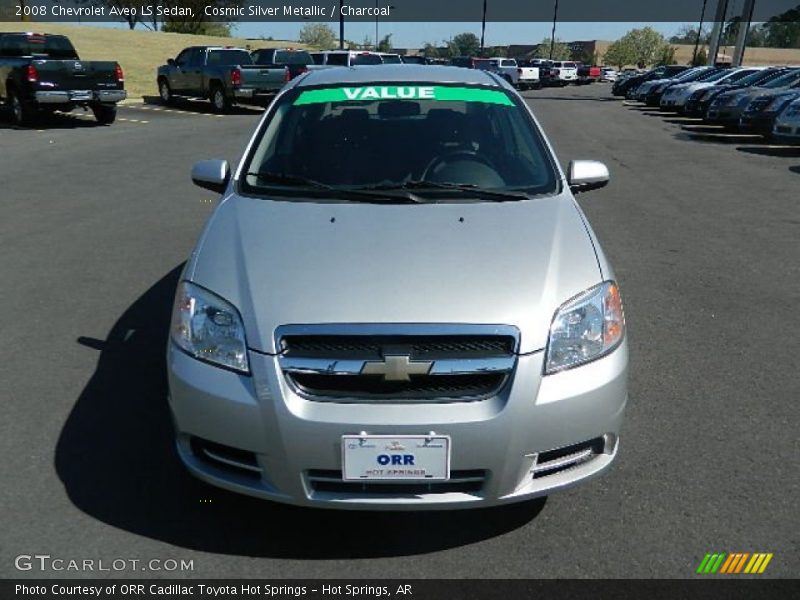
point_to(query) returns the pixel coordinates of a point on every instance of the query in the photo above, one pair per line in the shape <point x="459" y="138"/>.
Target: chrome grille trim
<point x="483" y="356"/>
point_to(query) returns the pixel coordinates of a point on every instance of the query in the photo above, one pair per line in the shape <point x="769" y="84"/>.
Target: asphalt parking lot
<point x="702" y="227"/>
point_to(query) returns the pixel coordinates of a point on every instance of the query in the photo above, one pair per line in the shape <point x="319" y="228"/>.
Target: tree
<point x="465" y="44"/>
<point x="619" y="54"/>
<point x="643" y="46"/>
<point x="385" y="45"/>
<point x="701" y="58"/>
<point x="688" y="35"/>
<point x="561" y="50"/>
<point x="496" y="52"/>
<point x="783" y="31"/>
<point x="666" y="55"/>
<point x="318" y="35"/>
<point x="180" y="25"/>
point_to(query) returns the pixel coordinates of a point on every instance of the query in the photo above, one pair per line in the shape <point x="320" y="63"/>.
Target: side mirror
<point x="585" y="175"/>
<point x="212" y="175"/>
<point x="171" y="62"/>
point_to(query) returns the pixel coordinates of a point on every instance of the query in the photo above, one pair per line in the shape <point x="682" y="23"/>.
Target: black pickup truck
<point x="224" y="75"/>
<point x="43" y="73"/>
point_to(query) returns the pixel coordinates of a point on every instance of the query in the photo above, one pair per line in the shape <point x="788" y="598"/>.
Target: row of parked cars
<point x="762" y="100"/>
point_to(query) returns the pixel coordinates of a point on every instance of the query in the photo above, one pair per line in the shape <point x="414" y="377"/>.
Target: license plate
<point x="388" y="457"/>
<point x="80" y="96"/>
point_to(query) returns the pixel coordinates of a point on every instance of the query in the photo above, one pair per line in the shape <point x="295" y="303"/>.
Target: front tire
<point x="104" y="113"/>
<point x="165" y="91"/>
<point x="219" y="100"/>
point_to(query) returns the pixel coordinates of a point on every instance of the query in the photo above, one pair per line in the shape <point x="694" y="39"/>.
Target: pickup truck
<point x="43" y="73"/>
<point x="297" y="61"/>
<point x="507" y="68"/>
<point x="224" y="75"/>
<point x="588" y="74"/>
<point x="529" y="76"/>
<point x="565" y="72"/>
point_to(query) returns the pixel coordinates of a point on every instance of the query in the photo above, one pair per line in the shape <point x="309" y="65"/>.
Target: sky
<point x="415" y="35"/>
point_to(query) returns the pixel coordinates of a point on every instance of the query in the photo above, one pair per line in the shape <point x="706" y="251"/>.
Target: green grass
<point x="139" y="52"/>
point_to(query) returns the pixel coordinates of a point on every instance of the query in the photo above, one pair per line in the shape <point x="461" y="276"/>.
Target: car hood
<point x="510" y="263"/>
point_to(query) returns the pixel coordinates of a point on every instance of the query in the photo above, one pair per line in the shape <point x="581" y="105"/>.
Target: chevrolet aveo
<point x="397" y="303"/>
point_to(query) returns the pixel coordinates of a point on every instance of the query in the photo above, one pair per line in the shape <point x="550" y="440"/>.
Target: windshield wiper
<point x="472" y="189"/>
<point x="358" y="194"/>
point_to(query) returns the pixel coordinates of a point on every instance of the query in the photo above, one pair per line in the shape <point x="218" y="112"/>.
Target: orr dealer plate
<point x="396" y="457"/>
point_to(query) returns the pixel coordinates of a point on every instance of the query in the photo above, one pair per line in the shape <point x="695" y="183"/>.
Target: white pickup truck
<point x="565" y="72"/>
<point x="529" y="77"/>
<point x="508" y="69"/>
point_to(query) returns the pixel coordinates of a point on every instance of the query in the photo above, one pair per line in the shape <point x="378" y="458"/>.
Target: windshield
<point x="760" y="77"/>
<point x="428" y="137"/>
<point x="229" y="58"/>
<point x="716" y="76"/>
<point x="292" y="57"/>
<point x="784" y="80"/>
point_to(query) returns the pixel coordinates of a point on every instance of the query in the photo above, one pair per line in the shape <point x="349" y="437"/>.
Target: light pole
<point x="553" y="34"/>
<point x="341" y="26"/>
<point x="483" y="26"/>
<point x="391" y="8"/>
<point x="699" y="33"/>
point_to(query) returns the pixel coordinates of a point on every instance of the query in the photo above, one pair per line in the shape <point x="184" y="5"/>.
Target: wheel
<point x="21" y="113"/>
<point x="104" y="113"/>
<point x="165" y="91"/>
<point x="219" y="100"/>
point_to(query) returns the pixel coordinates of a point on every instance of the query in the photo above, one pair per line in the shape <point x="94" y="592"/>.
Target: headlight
<point x="208" y="328"/>
<point x="585" y="328"/>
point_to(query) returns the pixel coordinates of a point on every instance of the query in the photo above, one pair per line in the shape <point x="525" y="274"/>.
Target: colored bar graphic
<point x="765" y="563"/>
<point x="703" y="563"/>
<point x="734" y="563"/>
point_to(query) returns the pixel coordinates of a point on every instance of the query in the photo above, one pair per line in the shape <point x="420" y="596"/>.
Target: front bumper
<point x="787" y="131"/>
<point x="724" y="115"/>
<point x="290" y="440"/>
<point x="760" y="122"/>
<point x="80" y="96"/>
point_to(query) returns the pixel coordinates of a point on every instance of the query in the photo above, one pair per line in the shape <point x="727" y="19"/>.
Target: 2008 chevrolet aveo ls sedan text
<point x="398" y="303"/>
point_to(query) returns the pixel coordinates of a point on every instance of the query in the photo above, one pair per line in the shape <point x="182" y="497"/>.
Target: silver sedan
<point x="397" y="303"/>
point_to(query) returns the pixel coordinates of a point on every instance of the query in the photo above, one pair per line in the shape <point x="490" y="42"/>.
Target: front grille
<point x="418" y="386"/>
<point x="418" y="347"/>
<point x="395" y="362"/>
<point x="758" y="105"/>
<point x="330" y="481"/>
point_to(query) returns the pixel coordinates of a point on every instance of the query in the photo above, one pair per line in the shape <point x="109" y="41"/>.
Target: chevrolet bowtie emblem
<point x="397" y="368"/>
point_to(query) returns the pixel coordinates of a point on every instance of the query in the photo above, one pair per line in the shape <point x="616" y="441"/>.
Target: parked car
<point x="787" y="124"/>
<point x="415" y="60"/>
<point x="43" y="73"/>
<point x="528" y="76"/>
<point x="698" y="103"/>
<point x="727" y="108"/>
<point x="759" y="116"/>
<point x="609" y="74"/>
<point x="547" y="74"/>
<point x="506" y="68"/>
<point x="675" y="97"/>
<point x="565" y="72"/>
<point x="631" y="80"/>
<point x="651" y="91"/>
<point x="224" y="75"/>
<point x="588" y="73"/>
<point x="346" y="58"/>
<point x="463" y="387"/>
<point x="389" y="58"/>
<point x="297" y="61"/>
<point x="466" y="62"/>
